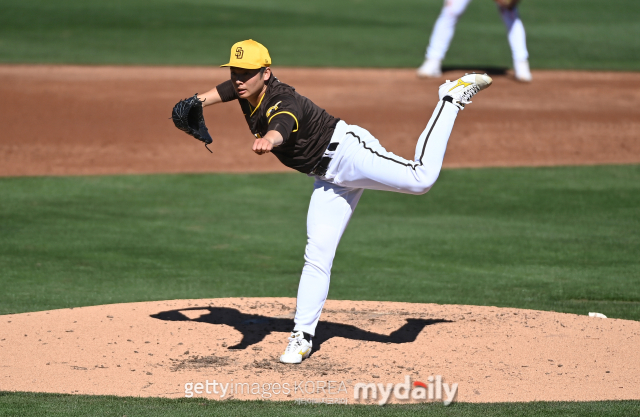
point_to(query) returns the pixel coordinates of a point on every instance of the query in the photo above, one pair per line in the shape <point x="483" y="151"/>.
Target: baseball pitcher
<point x="344" y="159"/>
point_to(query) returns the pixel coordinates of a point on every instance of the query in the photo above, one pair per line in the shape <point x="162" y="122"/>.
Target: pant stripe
<point x="431" y="130"/>
<point x="414" y="164"/>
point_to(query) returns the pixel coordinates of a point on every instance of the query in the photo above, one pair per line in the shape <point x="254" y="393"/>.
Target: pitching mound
<point x="158" y="348"/>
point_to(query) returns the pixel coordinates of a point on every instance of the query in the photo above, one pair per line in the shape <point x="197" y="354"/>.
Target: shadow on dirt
<point x="479" y="69"/>
<point x="255" y="327"/>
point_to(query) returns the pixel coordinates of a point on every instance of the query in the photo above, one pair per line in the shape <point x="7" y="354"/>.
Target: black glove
<point x="187" y="116"/>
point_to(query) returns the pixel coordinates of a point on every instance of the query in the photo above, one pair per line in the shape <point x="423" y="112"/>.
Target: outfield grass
<point x="564" y="239"/>
<point x="582" y="34"/>
<point x="28" y="404"/>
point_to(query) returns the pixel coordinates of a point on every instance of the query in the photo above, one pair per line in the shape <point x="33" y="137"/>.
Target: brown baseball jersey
<point x="306" y="129"/>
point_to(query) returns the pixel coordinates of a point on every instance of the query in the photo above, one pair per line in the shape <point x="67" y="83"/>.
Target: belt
<point x="321" y="167"/>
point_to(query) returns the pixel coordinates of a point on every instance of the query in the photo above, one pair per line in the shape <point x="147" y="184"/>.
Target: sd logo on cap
<point x="248" y="54"/>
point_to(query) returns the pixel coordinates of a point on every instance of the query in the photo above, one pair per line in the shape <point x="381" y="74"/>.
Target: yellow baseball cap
<point x="248" y="54"/>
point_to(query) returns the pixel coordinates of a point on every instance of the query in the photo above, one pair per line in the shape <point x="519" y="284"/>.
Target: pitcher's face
<point x="249" y="82"/>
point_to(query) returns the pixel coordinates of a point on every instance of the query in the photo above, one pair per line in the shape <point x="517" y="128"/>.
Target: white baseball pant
<point x="445" y="27"/>
<point x="360" y="163"/>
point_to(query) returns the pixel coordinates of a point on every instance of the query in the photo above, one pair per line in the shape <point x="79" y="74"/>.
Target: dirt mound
<point x="71" y="120"/>
<point x="155" y="348"/>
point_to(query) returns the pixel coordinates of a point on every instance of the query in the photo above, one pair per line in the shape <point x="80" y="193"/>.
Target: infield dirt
<point x="72" y="120"/>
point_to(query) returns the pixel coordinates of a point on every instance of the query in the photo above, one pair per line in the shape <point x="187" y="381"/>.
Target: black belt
<point x="321" y="167"/>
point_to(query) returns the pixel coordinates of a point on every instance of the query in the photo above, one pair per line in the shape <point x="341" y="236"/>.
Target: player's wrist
<point x="273" y="137"/>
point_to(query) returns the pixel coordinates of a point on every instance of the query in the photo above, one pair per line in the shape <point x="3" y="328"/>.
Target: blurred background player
<point x="445" y="27"/>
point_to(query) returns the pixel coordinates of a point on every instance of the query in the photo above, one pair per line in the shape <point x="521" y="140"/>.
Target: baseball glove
<point x="507" y="4"/>
<point x="187" y="116"/>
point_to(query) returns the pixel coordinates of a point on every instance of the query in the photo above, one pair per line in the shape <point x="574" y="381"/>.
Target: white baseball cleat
<point x="522" y="71"/>
<point x="462" y="89"/>
<point x="430" y="68"/>
<point x="297" y="349"/>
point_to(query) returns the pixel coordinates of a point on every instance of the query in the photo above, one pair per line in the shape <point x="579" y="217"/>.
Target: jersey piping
<point x="289" y="113"/>
<point x="259" y="103"/>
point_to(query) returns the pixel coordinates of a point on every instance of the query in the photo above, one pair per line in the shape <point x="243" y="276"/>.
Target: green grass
<point x="564" y="239"/>
<point x="582" y="34"/>
<point x="28" y="404"/>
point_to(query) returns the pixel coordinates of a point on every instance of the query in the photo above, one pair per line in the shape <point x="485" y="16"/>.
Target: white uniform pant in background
<point x="360" y="163"/>
<point x="445" y="27"/>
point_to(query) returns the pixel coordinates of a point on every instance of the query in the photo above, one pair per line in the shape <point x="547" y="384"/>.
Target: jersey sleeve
<point x="226" y="91"/>
<point x="283" y="115"/>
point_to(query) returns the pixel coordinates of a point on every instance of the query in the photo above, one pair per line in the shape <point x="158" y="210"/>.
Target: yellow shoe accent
<point x="459" y="83"/>
<point x="305" y="352"/>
